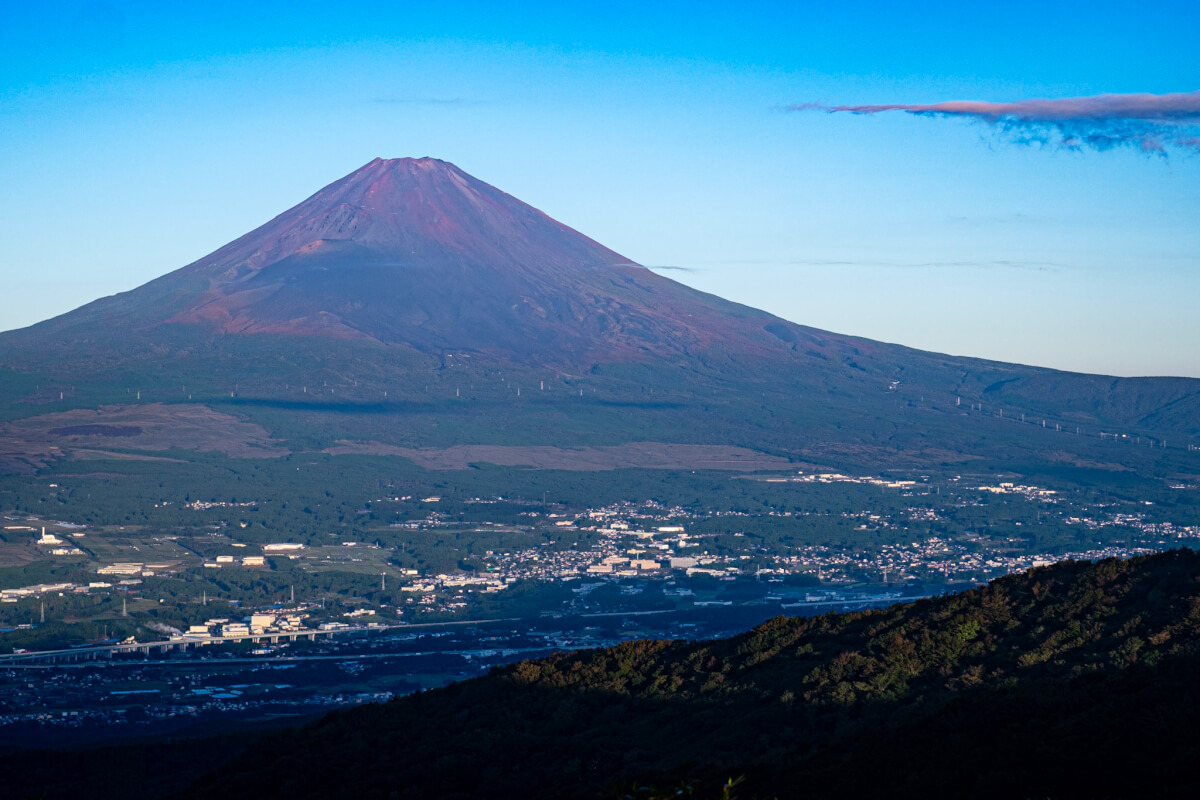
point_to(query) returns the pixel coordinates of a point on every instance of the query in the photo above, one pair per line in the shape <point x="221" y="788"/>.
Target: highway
<point x="94" y="652"/>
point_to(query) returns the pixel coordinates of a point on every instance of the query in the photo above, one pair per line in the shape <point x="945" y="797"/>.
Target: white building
<point x="260" y="622"/>
<point x="121" y="568"/>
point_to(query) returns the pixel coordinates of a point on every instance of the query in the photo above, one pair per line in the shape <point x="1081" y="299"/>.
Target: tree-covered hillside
<point x="1076" y="680"/>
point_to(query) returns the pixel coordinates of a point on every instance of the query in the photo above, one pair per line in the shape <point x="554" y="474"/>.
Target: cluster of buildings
<point x="230" y="561"/>
<point x="131" y="568"/>
<point x="289" y="549"/>
<point x="287" y="624"/>
<point x="253" y="625"/>
<point x="54" y="545"/>
<point x="648" y="539"/>
<point x="57" y="546"/>
<point x="837" y="477"/>
<point x="933" y="558"/>
<point x="15" y="595"/>
<point x="633" y="543"/>
<point x="202" y="505"/>
<point x="1031" y="492"/>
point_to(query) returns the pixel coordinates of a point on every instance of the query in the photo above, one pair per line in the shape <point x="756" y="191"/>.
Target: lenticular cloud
<point x="1151" y="123"/>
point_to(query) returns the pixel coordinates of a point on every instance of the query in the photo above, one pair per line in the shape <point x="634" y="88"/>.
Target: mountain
<point x="416" y="253"/>
<point x="1076" y="680"/>
<point x="410" y="304"/>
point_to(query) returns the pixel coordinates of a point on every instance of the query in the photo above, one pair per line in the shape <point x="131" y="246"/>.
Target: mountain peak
<point x="378" y="167"/>
<point x="413" y="251"/>
<point x="416" y="252"/>
<point x="424" y="162"/>
<point x="418" y="210"/>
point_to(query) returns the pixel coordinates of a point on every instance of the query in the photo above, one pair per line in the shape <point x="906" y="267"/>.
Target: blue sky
<point x="137" y="137"/>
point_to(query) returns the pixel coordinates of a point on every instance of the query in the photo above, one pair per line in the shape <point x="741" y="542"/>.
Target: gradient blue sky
<point x="136" y="137"/>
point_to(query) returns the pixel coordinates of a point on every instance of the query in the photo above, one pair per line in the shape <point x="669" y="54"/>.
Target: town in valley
<point x="208" y="616"/>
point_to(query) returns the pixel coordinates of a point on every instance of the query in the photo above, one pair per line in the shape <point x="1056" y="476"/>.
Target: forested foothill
<point x="1070" y="681"/>
<point x="1076" y="680"/>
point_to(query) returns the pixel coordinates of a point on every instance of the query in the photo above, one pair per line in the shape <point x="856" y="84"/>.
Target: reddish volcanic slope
<point x="408" y="261"/>
<point x="420" y="211"/>
<point x="416" y="252"/>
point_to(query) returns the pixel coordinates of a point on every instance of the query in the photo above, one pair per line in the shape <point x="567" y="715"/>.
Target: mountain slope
<point x="412" y="303"/>
<point x="1076" y="680"/>
<point x="418" y="253"/>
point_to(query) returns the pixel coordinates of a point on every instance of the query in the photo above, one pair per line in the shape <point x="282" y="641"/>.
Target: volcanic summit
<point x="416" y="252"/>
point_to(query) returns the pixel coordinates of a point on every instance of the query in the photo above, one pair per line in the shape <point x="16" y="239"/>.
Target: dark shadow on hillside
<point x="1072" y="681"/>
<point x="1128" y="735"/>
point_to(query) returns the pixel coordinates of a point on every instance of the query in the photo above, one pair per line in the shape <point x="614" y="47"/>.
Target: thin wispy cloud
<point x="1152" y="123"/>
<point x="671" y="268"/>
<point x="1033" y="266"/>
<point x="998" y="264"/>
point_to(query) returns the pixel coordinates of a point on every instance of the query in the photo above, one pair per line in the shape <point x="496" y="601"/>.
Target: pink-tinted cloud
<point x="1149" y="122"/>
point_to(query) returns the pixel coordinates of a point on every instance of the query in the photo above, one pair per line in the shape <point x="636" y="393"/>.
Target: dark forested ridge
<point x="1076" y="680"/>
